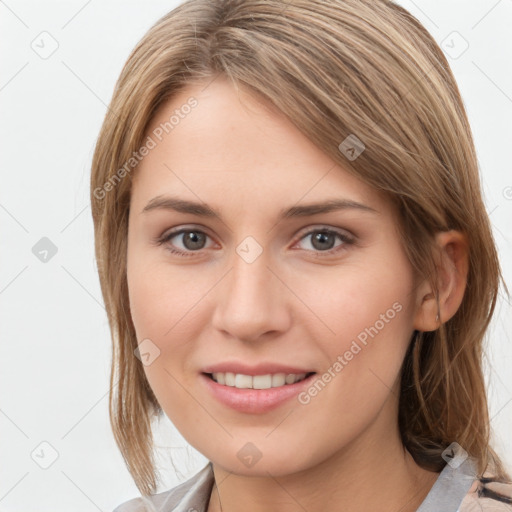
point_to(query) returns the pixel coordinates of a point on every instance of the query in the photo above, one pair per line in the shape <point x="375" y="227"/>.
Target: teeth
<point x="241" y="381"/>
<point x="278" y="379"/>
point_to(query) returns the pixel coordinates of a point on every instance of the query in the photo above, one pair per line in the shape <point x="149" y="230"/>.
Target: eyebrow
<point x="203" y="210"/>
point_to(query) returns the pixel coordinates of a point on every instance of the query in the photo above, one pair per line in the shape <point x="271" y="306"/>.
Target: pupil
<point x="322" y="238"/>
<point x="193" y="240"/>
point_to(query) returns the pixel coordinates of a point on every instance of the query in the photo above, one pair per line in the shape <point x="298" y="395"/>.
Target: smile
<point x="241" y="381"/>
<point x="241" y="392"/>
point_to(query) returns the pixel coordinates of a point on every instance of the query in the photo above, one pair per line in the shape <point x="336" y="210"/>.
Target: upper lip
<point x="259" y="369"/>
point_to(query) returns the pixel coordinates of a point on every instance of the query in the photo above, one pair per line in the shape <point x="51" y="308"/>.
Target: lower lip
<point x="254" y="401"/>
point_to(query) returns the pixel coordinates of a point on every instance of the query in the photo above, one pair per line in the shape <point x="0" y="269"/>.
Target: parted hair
<point x="365" y="69"/>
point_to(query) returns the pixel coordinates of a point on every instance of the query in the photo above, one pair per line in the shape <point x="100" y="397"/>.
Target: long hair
<point x="351" y="70"/>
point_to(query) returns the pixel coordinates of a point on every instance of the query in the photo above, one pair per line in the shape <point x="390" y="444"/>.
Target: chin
<point x="249" y="460"/>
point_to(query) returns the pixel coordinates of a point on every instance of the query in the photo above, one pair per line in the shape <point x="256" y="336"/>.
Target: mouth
<point x="255" y="394"/>
<point x="267" y="381"/>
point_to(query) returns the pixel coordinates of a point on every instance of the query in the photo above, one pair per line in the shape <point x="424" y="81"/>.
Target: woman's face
<point x="268" y="286"/>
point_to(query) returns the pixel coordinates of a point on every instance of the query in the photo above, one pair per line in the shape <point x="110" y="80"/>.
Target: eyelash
<point x="347" y="240"/>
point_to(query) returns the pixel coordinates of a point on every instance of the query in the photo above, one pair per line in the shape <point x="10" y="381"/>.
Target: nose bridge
<point x="249" y="303"/>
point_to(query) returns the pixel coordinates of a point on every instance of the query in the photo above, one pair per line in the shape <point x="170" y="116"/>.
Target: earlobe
<point x="452" y="260"/>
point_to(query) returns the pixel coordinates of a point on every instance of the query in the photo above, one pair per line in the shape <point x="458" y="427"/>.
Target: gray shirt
<point x="455" y="490"/>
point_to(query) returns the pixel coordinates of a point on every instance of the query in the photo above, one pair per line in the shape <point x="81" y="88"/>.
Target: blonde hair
<point x="335" y="68"/>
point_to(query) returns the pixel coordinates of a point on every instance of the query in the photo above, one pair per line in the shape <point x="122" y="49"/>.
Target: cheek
<point x="360" y="301"/>
<point x="162" y="299"/>
<point x="168" y="307"/>
<point x="369" y="311"/>
<point x="162" y="303"/>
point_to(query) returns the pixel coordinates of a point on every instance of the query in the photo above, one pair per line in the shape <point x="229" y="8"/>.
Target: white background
<point x="55" y="347"/>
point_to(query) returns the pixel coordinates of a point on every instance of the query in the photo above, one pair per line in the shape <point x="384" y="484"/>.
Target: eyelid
<point x="181" y="228"/>
<point x="324" y="227"/>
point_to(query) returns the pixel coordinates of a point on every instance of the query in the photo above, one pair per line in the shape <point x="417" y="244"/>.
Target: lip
<point x="254" y="401"/>
<point x="259" y="369"/>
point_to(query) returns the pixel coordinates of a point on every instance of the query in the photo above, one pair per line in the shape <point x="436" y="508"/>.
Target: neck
<point x="372" y="473"/>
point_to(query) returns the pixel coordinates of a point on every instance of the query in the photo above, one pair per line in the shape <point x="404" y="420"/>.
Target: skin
<point x="293" y="304"/>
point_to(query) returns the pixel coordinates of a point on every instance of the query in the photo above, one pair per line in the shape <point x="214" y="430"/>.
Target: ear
<point x="452" y="266"/>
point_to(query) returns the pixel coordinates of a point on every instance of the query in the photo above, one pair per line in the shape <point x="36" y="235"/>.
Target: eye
<point x="323" y="240"/>
<point x="192" y="240"/>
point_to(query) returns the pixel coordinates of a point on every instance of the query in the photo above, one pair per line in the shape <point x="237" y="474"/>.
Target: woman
<point x="297" y="263"/>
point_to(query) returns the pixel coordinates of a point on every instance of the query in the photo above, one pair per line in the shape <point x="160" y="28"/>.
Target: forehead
<point x="213" y="141"/>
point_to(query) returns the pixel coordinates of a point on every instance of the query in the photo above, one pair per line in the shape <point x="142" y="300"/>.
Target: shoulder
<point x="459" y="488"/>
<point x="191" y="495"/>
<point x="488" y="495"/>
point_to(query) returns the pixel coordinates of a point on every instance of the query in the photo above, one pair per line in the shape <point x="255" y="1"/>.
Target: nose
<point x="251" y="301"/>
